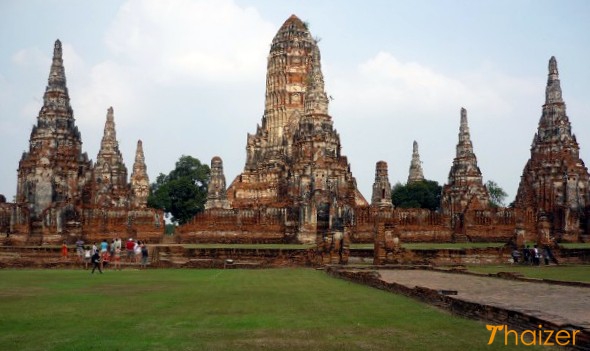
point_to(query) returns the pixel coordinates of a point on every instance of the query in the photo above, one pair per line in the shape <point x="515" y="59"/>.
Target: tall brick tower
<point x="54" y="172"/>
<point x="416" y="174"/>
<point x="293" y="161"/>
<point x="554" y="182"/>
<point x="464" y="190"/>
<point x="110" y="173"/>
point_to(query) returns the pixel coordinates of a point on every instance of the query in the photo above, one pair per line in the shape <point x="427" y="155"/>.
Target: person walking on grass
<point x="96" y="262"/>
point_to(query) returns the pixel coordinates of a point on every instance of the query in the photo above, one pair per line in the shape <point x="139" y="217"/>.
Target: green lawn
<point x="561" y="272"/>
<point x="278" y="309"/>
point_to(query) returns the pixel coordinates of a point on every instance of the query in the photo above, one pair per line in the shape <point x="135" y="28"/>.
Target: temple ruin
<point x="553" y="188"/>
<point x="61" y="194"/>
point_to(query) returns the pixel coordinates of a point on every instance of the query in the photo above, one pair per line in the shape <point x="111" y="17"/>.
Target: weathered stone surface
<point x="216" y="191"/>
<point x="381" y="187"/>
<point x="293" y="164"/>
<point x="416" y="174"/>
<point x="61" y="195"/>
<point x="140" y="182"/>
<point x="554" y="182"/>
<point x="110" y="172"/>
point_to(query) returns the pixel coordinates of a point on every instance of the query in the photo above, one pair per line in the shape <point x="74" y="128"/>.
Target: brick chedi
<point x="110" y="173"/>
<point x="294" y="169"/>
<point x="554" y="182"/>
<point x="53" y="173"/>
<point x="216" y="189"/>
<point x="140" y="182"/>
<point x="465" y="189"/>
<point x="381" y="187"/>
<point x="61" y="195"/>
<point x="416" y="174"/>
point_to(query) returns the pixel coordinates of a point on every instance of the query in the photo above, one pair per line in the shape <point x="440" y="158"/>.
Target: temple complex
<point x="416" y="174"/>
<point x="554" y="183"/>
<point x="296" y="186"/>
<point x="61" y="195"/>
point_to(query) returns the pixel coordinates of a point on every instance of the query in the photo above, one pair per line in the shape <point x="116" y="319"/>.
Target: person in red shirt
<point x="129" y="247"/>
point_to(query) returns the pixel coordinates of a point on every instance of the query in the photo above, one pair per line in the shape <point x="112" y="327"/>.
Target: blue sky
<point x="188" y="77"/>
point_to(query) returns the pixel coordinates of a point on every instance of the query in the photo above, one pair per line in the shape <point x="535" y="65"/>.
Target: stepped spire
<point x="109" y="168"/>
<point x="465" y="187"/>
<point x="381" y="187"/>
<point x="416" y="174"/>
<point x="555" y="177"/>
<point x="553" y="90"/>
<point x="140" y="182"/>
<point x="55" y="168"/>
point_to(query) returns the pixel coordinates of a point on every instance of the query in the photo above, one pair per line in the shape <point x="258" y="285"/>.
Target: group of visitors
<point x="106" y="254"/>
<point x="533" y="256"/>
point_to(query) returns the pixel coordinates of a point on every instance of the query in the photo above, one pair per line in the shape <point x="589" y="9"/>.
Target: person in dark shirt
<point x="96" y="262"/>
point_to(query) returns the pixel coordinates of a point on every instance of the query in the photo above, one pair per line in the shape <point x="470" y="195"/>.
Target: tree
<point x="183" y="192"/>
<point x="497" y="194"/>
<point x="423" y="194"/>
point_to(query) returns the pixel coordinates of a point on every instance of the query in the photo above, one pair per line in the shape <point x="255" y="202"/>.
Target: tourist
<point x="64" y="251"/>
<point x="104" y="246"/>
<point x="536" y="255"/>
<point x="144" y="256"/>
<point x="526" y="259"/>
<point x="515" y="255"/>
<point x="137" y="251"/>
<point x="117" y="258"/>
<point x="106" y="259"/>
<point x="96" y="262"/>
<point x="549" y="255"/>
<point x="129" y="247"/>
<point x="87" y="256"/>
<point x="79" y="250"/>
<point x="112" y="247"/>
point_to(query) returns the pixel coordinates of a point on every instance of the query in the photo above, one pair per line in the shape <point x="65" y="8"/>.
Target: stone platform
<point x="521" y="304"/>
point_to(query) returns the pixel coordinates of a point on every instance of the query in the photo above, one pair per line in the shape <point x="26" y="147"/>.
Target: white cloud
<point x="389" y="103"/>
<point x="182" y="39"/>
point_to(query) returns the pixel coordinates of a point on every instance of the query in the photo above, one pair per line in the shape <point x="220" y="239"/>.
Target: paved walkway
<point x="555" y="303"/>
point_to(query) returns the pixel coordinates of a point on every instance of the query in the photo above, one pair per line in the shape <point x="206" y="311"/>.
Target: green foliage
<point x="497" y="194"/>
<point x="183" y="192"/>
<point x="424" y="194"/>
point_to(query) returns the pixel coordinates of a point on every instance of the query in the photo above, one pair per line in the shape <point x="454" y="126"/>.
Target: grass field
<point x="279" y="309"/>
<point x="579" y="273"/>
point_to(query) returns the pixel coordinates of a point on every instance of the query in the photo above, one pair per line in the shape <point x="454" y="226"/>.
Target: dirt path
<point x="559" y="304"/>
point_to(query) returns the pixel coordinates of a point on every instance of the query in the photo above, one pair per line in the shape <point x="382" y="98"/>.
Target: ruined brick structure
<point x="216" y="190"/>
<point x="416" y="174"/>
<point x="381" y="187"/>
<point x="553" y="188"/>
<point x="60" y="194"/>
<point x="295" y="180"/>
